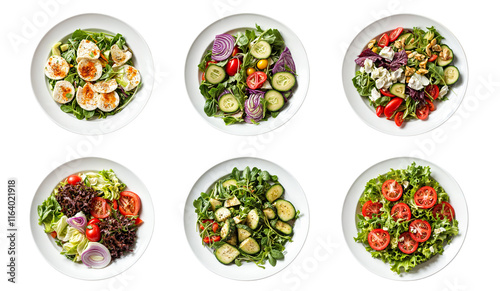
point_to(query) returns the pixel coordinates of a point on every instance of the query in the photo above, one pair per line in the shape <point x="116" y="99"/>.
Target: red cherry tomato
<point x="211" y="239"/>
<point x="138" y="221"/>
<point x="384" y="40"/>
<point x="433" y="58"/>
<point x="392" y="106"/>
<point x="369" y="209"/>
<point x="380" y="110"/>
<point x="130" y="203"/>
<point x="378" y="239"/>
<point x="99" y="208"/>
<point x="406" y="244"/>
<point x="425" y="197"/>
<point x="53" y="234"/>
<point x="432" y="91"/>
<point x="431" y="105"/>
<point x="442" y="210"/>
<point x="236" y="51"/>
<point x="215" y="227"/>
<point x="420" y="230"/>
<point x="398" y="118"/>
<point x="74" y="179"/>
<point x="386" y="93"/>
<point x="422" y="112"/>
<point x="395" y="34"/>
<point x="256" y="80"/>
<point x="233" y="66"/>
<point x="391" y="190"/>
<point x="401" y="211"/>
<point x="93" y="233"/>
<point x="94" y="221"/>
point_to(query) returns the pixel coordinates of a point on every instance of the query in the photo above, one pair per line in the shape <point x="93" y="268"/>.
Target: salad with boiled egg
<point x="91" y="75"/>
<point x="405" y="73"/>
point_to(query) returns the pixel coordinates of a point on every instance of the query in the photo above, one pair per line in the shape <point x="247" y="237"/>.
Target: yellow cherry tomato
<point x="250" y="71"/>
<point x="262" y="64"/>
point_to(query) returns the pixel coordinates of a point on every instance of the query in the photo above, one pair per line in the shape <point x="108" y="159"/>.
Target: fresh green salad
<point x="92" y="218"/>
<point x="99" y="65"/>
<point x="405" y="72"/>
<point x="247" y="77"/>
<point x="244" y="217"/>
<point x="406" y="218"/>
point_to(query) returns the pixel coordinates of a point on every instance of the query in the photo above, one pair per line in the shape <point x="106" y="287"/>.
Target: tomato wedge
<point x="420" y="230"/>
<point x="130" y="203"/>
<point x="256" y="80"/>
<point x="406" y="244"/>
<point x="378" y="239"/>
<point x="384" y="40"/>
<point x="431" y="105"/>
<point x="395" y="34"/>
<point x="369" y="209"/>
<point x="442" y="210"/>
<point x="99" y="208"/>
<point x="401" y="211"/>
<point x="391" y="190"/>
<point x="398" y="118"/>
<point x="380" y="110"/>
<point x="422" y="112"/>
<point x="386" y="93"/>
<point x="392" y="106"/>
<point x="425" y="197"/>
<point x="432" y="90"/>
<point x="433" y="58"/>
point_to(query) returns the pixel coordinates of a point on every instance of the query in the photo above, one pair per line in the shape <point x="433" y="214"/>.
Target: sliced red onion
<point x="96" y="256"/>
<point x="253" y="108"/>
<point x="285" y="62"/>
<point x="79" y="221"/>
<point x="223" y="47"/>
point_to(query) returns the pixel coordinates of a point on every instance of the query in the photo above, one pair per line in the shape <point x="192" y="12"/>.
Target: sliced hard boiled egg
<point x="128" y="77"/>
<point x="89" y="69"/>
<point x="119" y="56"/>
<point x="56" y="67"/>
<point x="86" y="97"/>
<point x="87" y="50"/>
<point x="63" y="92"/>
<point x="105" y="86"/>
<point x="108" y="101"/>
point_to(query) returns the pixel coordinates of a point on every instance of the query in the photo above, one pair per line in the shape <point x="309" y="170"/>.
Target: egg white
<point x="105" y="86"/>
<point x="63" y="92"/>
<point x="119" y="56"/>
<point x="56" y="68"/>
<point x="86" y="97"/>
<point x="89" y="69"/>
<point x="108" y="101"/>
<point x="87" y="50"/>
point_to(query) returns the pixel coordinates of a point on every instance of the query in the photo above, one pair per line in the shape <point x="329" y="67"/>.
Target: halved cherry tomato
<point x="395" y="34"/>
<point x="406" y="244"/>
<point x="420" y="230"/>
<point x="384" y="40"/>
<point x="130" y="203"/>
<point x="431" y="105"/>
<point x="370" y="208"/>
<point x="391" y="190"/>
<point x="392" y="106"/>
<point x="233" y="66"/>
<point x="94" y="221"/>
<point x="442" y="210"/>
<point x="74" y="179"/>
<point x="401" y="211"/>
<point x="425" y="197"/>
<point x="93" y="232"/>
<point x="378" y="239"/>
<point x="398" y="118"/>
<point x="380" y="110"/>
<point x="209" y="63"/>
<point x="236" y="51"/>
<point x="99" y="208"/>
<point x="256" y="80"/>
<point x="53" y="234"/>
<point x="211" y="239"/>
<point x="386" y="93"/>
<point x="433" y="58"/>
<point x="138" y="221"/>
<point x="215" y="227"/>
<point x="432" y="90"/>
<point x="422" y="112"/>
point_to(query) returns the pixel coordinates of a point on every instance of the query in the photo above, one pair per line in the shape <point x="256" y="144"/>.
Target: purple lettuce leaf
<point x="367" y="54"/>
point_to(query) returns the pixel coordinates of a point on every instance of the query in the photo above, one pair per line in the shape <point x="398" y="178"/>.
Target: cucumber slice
<point x="429" y="35"/>
<point x="441" y="62"/>
<point x="243" y="232"/>
<point x="215" y="74"/>
<point x="250" y="246"/>
<point x="285" y="209"/>
<point x="230" y="182"/>
<point x="55" y="49"/>
<point x="222" y="214"/>
<point x="233" y="240"/>
<point x="233" y="201"/>
<point x="226" y="253"/>
<point x="405" y="36"/>
<point x="261" y="50"/>
<point x="228" y="103"/>
<point x="451" y="74"/>
<point x="269" y="211"/>
<point x="283" y="81"/>
<point x="254" y="218"/>
<point x="275" y="100"/>
<point x="398" y="89"/>
<point x="282" y="227"/>
<point x="214" y="203"/>
<point x="228" y="229"/>
<point x="274" y="192"/>
<point x="410" y="44"/>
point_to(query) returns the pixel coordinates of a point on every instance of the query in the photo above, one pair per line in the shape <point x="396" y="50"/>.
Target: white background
<point x="325" y="145"/>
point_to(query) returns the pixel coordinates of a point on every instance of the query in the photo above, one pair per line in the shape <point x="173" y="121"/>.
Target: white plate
<point x="248" y="271"/>
<point x="444" y="110"/>
<point x="233" y="24"/>
<point x="351" y="208"/>
<point x="47" y="245"/>
<point x="142" y="58"/>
